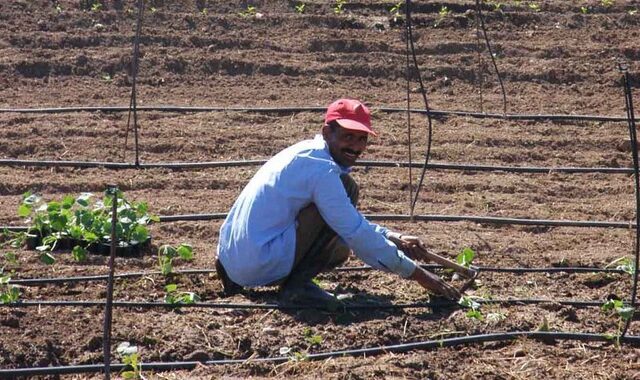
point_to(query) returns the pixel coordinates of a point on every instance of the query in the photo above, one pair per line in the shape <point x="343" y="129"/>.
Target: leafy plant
<point x="58" y="8"/>
<point x="96" y="6"/>
<point x="473" y="306"/>
<point x="632" y="11"/>
<point x="584" y="10"/>
<point x="534" y="7"/>
<point x="175" y="297"/>
<point x="624" y="313"/>
<point x="311" y="338"/>
<point x="11" y="258"/>
<point x="443" y="13"/>
<point x="167" y="253"/>
<point x="338" y="7"/>
<point x="8" y="293"/>
<point x="300" y="8"/>
<point x="465" y="258"/>
<point x="607" y="3"/>
<point x="131" y="359"/>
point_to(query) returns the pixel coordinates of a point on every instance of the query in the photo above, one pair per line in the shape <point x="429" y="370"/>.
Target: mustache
<point x="346" y="150"/>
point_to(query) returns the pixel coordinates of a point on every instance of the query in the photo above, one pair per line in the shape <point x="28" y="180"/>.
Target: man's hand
<point x="435" y="284"/>
<point x="411" y="245"/>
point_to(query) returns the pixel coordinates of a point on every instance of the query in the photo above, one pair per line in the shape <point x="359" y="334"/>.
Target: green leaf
<point x="89" y="236"/>
<point x="167" y="250"/>
<point x="79" y="253"/>
<point x="626" y="312"/>
<point x="46" y="258"/>
<point x="67" y="202"/>
<point x="185" y="251"/>
<point x="475" y="314"/>
<point x="154" y="218"/>
<point x="75" y="232"/>
<point x="24" y="210"/>
<point x="30" y="199"/>
<point x="139" y="234"/>
<point x="53" y="206"/>
<point x="58" y="222"/>
<point x="465" y="258"/>
<point x="83" y="199"/>
<point x="171" y="288"/>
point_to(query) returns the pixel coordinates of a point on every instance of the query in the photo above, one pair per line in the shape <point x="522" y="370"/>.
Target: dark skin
<point x="346" y="146"/>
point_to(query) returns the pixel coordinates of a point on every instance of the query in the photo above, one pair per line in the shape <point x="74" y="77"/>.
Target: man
<point x="297" y="217"/>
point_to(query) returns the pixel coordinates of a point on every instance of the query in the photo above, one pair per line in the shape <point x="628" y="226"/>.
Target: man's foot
<point x="305" y="293"/>
<point x="229" y="287"/>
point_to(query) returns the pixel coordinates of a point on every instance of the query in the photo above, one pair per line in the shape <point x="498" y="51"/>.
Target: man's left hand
<point x="411" y="245"/>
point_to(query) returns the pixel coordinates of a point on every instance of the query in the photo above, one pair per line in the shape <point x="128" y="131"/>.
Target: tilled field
<point x="554" y="57"/>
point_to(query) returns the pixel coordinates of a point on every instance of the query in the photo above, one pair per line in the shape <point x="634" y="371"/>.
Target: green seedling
<point x="250" y="11"/>
<point x="473" y="306"/>
<point x="465" y="258"/>
<point x="8" y="293"/>
<point x="625" y="264"/>
<point x="496" y="6"/>
<point x="167" y="253"/>
<point x="10" y="258"/>
<point x="175" y="297"/>
<point x="534" y="7"/>
<point x="396" y="11"/>
<point x="300" y="8"/>
<point x="607" y="3"/>
<point x="58" y="8"/>
<point x="96" y="6"/>
<point x="624" y="313"/>
<point x="311" y="338"/>
<point x="584" y="10"/>
<point x="443" y="13"/>
<point x="106" y="77"/>
<point x="338" y="7"/>
<point x="632" y="12"/>
<point x="131" y="360"/>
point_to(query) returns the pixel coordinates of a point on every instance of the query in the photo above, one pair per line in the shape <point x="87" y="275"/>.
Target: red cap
<point x="350" y="114"/>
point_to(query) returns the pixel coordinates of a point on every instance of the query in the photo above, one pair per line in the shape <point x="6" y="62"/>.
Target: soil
<point x="554" y="57"/>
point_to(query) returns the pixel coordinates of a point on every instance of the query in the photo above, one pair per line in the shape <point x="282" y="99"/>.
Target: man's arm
<point x="435" y="284"/>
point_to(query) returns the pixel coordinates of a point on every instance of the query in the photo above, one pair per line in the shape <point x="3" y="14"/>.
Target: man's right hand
<point x="435" y="284"/>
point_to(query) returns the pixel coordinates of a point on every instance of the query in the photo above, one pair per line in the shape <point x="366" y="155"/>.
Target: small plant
<point x="58" y="8"/>
<point x="584" y="10"/>
<point x="607" y="3"/>
<point x="632" y="12"/>
<point x="311" y="338"/>
<point x="106" y="77"/>
<point x="174" y="297"/>
<point x="534" y="7"/>
<point x="131" y="360"/>
<point x="465" y="258"/>
<point x="496" y="6"/>
<point x="11" y="258"/>
<point x="443" y="13"/>
<point x="8" y="293"/>
<point x="338" y="7"/>
<point x="625" y="264"/>
<point x="153" y="9"/>
<point x="250" y="11"/>
<point x="96" y="6"/>
<point x="396" y="11"/>
<point x="624" y="313"/>
<point x="300" y="8"/>
<point x="167" y="253"/>
<point x="473" y="306"/>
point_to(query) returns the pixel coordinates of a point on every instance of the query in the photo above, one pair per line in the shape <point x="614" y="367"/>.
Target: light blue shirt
<point x="258" y="238"/>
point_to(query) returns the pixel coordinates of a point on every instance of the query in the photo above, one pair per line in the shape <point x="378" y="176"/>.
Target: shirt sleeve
<point x="366" y="239"/>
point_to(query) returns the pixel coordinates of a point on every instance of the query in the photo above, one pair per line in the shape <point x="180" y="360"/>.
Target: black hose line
<point x="291" y="109"/>
<point x="56" y="280"/>
<point x="544" y="336"/>
<point x="491" y="55"/>
<point x="634" y="153"/>
<point x="273" y="306"/>
<point x="423" y="92"/>
<point x="422" y="218"/>
<point x="380" y="164"/>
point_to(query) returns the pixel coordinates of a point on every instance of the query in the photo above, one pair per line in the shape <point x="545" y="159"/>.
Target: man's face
<point x="345" y="145"/>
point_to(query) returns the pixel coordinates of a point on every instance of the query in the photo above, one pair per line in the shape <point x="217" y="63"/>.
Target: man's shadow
<point x="354" y="306"/>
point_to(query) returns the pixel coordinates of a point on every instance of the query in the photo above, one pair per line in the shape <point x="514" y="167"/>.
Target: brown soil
<point x="553" y="59"/>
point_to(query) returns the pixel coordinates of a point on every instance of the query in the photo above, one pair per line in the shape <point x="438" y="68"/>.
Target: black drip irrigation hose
<point x="344" y="307"/>
<point x="544" y="336"/>
<point x="423" y="92"/>
<point x="491" y="55"/>
<point x="422" y="218"/>
<point x="634" y="152"/>
<point x="381" y="164"/>
<point x="434" y="113"/>
<point x="57" y="280"/>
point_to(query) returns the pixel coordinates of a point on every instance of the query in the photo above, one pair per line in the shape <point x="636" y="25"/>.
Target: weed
<point x="338" y="7"/>
<point x="300" y="8"/>
<point x="167" y="253"/>
<point x="174" y="297"/>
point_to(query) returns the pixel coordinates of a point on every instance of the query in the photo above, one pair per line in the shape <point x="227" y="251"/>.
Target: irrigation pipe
<point x="292" y="109"/>
<point x="57" y="280"/>
<point x="491" y="55"/>
<point x="379" y="164"/>
<point x="634" y="153"/>
<point x="544" y="336"/>
<point x="422" y="218"/>
<point x="273" y="306"/>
